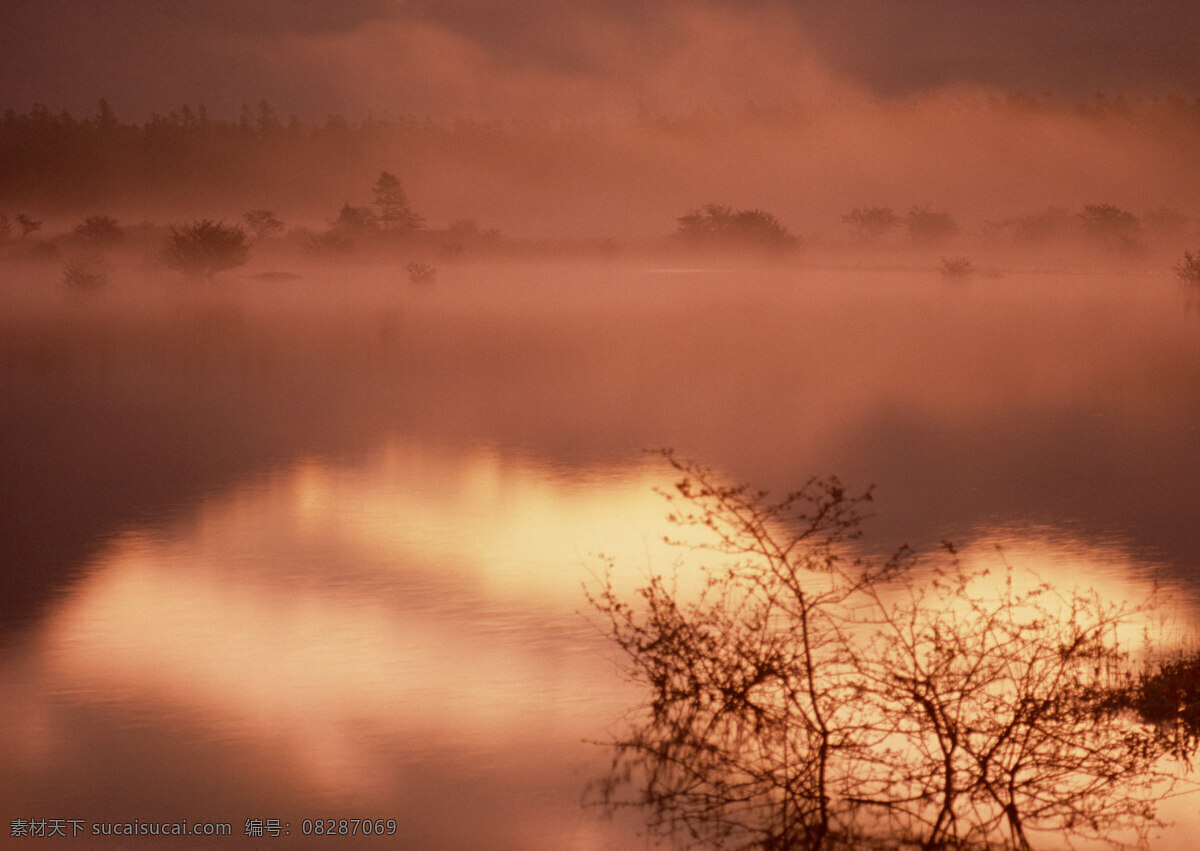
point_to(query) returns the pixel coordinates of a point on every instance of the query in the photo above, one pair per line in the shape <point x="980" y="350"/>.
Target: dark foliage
<point x="262" y="223"/>
<point x="1034" y="229"/>
<point x="716" y="226"/>
<point x="1165" y="221"/>
<point x="328" y="244"/>
<point x="957" y="268"/>
<point x="395" y="214"/>
<point x="50" y="159"/>
<point x="355" y="221"/>
<point x="205" y="247"/>
<point x="872" y="223"/>
<point x="1117" y="230"/>
<point x="1189" y="270"/>
<point x="99" y="230"/>
<point x="85" y="273"/>
<point x="28" y="224"/>
<point x="928" y="227"/>
<point x="421" y="273"/>
<point x="1166" y="693"/>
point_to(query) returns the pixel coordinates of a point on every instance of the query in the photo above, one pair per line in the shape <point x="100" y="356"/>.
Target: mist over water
<point x="983" y="156"/>
<point x="289" y="546"/>
<point x="333" y="340"/>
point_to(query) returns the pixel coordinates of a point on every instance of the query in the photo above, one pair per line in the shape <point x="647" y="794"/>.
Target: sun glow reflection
<point x="354" y="618"/>
<point x="420" y="600"/>
<point x="1010" y="560"/>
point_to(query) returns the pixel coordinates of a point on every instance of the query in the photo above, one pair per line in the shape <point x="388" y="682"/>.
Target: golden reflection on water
<point x="1015" y="560"/>
<point x="422" y="598"/>
<point x="516" y="529"/>
<point x="345" y="621"/>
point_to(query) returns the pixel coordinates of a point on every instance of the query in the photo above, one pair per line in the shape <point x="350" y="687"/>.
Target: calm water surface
<point x="317" y="548"/>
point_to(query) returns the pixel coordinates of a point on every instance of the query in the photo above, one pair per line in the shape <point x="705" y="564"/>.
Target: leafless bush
<point x="803" y="698"/>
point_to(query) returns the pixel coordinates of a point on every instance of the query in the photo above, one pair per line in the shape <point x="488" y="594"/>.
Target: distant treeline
<point x="187" y="155"/>
<point x="62" y="162"/>
<point x="56" y="161"/>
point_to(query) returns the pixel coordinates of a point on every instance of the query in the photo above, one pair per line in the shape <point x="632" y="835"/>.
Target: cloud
<point x="267" y="18"/>
<point x="1072" y="46"/>
<point x="558" y="37"/>
<point x="1075" y="46"/>
<point x="453" y="57"/>
<point x="574" y="61"/>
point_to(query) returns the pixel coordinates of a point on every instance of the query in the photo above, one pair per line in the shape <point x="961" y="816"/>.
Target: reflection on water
<point x="1165" y="610"/>
<point x="283" y="550"/>
<point x="399" y="638"/>
<point x="348" y="631"/>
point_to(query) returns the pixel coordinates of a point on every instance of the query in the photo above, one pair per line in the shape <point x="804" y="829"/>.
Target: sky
<point x="522" y="58"/>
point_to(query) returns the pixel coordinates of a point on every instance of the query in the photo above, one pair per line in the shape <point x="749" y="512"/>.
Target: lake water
<point x="317" y="548"/>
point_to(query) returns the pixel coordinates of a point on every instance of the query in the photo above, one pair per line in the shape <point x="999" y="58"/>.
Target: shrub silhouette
<point x="1189" y="270"/>
<point x="1033" y="229"/>
<point x="355" y="221"/>
<point x="872" y="223"/>
<point x="1165" y="221"/>
<point x="421" y="273"/>
<point x="1115" y="229"/>
<point x="928" y="227"/>
<point x="85" y="272"/>
<point x="805" y="699"/>
<point x="205" y="247"/>
<point x="262" y="223"/>
<point x="1166" y="692"/>
<point x="28" y="224"/>
<point x="999" y="714"/>
<point x="718" y="226"/>
<point x="957" y="268"/>
<point x="752" y="719"/>
<point x="99" y="230"/>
